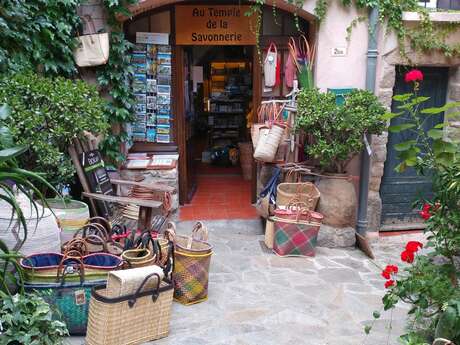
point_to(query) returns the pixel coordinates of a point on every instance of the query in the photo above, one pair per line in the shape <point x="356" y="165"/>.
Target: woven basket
<point x="125" y="282"/>
<point x="192" y="258"/>
<point x="268" y="143"/>
<point x="130" y="319"/>
<point x="305" y="192"/>
<point x="139" y="257"/>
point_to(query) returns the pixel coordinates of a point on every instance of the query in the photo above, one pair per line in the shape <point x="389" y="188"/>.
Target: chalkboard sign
<point x="98" y="179"/>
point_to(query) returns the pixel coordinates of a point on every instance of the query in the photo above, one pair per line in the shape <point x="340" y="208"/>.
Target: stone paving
<point x="257" y="298"/>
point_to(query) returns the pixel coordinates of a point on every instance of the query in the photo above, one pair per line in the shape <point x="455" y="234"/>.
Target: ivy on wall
<point x="114" y="78"/>
<point x="425" y="36"/>
<point x="38" y="35"/>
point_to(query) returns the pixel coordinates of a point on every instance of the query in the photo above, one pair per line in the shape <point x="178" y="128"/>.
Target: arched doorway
<point x="162" y="16"/>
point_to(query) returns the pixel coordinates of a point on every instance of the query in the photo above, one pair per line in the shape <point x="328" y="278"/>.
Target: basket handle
<point x="76" y="245"/>
<point x="101" y="220"/>
<point x="98" y="240"/>
<point x="65" y="268"/>
<point x="155" y="293"/>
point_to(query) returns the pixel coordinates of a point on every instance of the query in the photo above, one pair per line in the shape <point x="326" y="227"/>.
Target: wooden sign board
<point x="214" y="25"/>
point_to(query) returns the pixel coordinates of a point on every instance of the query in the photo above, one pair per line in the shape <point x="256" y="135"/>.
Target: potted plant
<point x="46" y="115"/>
<point x="335" y="135"/>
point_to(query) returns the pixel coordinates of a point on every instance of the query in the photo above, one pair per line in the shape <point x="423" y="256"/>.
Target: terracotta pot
<point x="338" y="201"/>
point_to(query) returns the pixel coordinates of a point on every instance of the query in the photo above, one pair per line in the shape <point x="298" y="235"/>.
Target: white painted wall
<point x="340" y="72"/>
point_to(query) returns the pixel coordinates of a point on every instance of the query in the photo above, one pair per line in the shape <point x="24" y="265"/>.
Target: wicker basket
<point x="305" y="192"/>
<point x="130" y="319"/>
<point x="192" y="259"/>
<point x="268" y="143"/>
<point x="139" y="257"/>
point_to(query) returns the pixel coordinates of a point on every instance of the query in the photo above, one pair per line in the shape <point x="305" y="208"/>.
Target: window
<point x="280" y="23"/>
<point x="441" y="4"/>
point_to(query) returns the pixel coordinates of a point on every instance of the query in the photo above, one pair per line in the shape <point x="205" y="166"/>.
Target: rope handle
<point x="76" y="245"/>
<point x="106" y="224"/>
<point x="272" y="45"/>
<point x="63" y="267"/>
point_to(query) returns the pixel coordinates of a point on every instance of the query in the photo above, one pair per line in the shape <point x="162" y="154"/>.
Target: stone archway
<point x="147" y="5"/>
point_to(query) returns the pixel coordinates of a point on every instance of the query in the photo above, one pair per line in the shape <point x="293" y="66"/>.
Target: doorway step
<point x="220" y="197"/>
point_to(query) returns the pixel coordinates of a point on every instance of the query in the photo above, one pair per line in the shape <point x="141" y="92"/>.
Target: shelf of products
<point x="229" y="93"/>
<point x="152" y="88"/>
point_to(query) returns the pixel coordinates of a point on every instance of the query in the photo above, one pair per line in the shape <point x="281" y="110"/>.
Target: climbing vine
<point x="423" y="36"/>
<point x="38" y="35"/>
<point x="114" y="78"/>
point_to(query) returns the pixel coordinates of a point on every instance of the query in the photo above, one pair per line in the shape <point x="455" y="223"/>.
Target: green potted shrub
<point x="335" y="135"/>
<point x="46" y="115"/>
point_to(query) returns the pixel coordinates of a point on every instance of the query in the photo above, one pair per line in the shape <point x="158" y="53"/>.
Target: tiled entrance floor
<point x="220" y="197"/>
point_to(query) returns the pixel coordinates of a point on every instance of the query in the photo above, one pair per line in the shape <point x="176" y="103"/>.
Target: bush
<point x="46" y="114"/>
<point x="337" y="131"/>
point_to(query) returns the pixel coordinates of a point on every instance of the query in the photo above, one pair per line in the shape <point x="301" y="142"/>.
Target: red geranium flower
<point x="389" y="270"/>
<point x="413" y="246"/>
<point x="407" y="256"/>
<point x="389" y="283"/>
<point x="425" y="215"/>
<point x="413" y="76"/>
<point x="426" y="207"/>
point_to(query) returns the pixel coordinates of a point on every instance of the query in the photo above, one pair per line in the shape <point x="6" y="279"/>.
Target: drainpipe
<point x="371" y="70"/>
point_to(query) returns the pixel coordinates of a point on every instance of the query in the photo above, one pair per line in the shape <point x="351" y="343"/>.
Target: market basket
<point x="192" y="259"/>
<point x="305" y="192"/>
<point x="70" y="298"/>
<point x="295" y="237"/>
<point x="133" y="318"/>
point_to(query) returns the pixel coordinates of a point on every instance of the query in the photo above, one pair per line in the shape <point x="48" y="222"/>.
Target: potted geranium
<point x="335" y="135"/>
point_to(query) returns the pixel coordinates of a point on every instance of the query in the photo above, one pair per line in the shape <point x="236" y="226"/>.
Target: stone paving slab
<point x="257" y="298"/>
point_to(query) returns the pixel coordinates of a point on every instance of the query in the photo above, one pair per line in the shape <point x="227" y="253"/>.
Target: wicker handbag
<point x="305" y="192"/>
<point x="268" y="143"/>
<point x="134" y="318"/>
<point x="192" y="258"/>
<point x="70" y="298"/>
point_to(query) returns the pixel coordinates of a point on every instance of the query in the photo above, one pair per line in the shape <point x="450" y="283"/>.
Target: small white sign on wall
<point x="152" y="38"/>
<point x="339" y="51"/>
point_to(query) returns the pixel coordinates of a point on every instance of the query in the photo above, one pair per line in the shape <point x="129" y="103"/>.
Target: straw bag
<point x="305" y="192"/>
<point x="298" y="211"/>
<point x="192" y="258"/>
<point x="133" y="318"/>
<point x="268" y="143"/>
<point x="70" y="298"/>
<point x="93" y="49"/>
<point x="295" y="237"/>
<point x="270" y="65"/>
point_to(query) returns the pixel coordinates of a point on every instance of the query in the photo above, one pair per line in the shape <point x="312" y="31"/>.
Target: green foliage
<point x="427" y="149"/>
<point x="24" y="180"/>
<point x="28" y="319"/>
<point x="38" y="35"/>
<point x="8" y="265"/>
<point x="46" y="113"/>
<point x="114" y="78"/>
<point x="337" y="131"/>
<point x="431" y="283"/>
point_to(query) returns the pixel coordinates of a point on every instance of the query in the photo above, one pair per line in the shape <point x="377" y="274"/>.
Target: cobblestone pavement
<point x="257" y="298"/>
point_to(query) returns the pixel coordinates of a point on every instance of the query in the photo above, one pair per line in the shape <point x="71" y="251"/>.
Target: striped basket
<point x="192" y="259"/>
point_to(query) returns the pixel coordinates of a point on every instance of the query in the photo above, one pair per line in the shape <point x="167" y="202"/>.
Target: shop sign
<point x="214" y="25"/>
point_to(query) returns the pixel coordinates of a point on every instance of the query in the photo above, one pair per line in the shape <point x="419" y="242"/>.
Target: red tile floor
<point x="220" y="197"/>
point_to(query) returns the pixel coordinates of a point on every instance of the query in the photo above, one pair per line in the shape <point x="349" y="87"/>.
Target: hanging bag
<point x="270" y="64"/>
<point x="93" y="49"/>
<point x="267" y="197"/>
<point x="291" y="67"/>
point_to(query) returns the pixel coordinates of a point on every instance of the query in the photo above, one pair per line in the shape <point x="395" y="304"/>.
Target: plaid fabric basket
<point x="295" y="238"/>
<point x="192" y="259"/>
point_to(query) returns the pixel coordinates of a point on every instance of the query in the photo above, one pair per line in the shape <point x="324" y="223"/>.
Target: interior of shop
<point x="220" y="100"/>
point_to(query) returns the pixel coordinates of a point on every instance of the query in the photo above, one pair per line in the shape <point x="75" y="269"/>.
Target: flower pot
<point x="338" y="201"/>
<point x="42" y="228"/>
<point x="71" y="215"/>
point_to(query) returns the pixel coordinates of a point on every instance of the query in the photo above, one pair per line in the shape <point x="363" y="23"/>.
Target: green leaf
<point x="389" y="116"/>
<point x="403" y="97"/>
<point x="401" y="167"/>
<point x="435" y="133"/>
<point x="401" y="127"/>
<point x="441" y="125"/>
<point x="376" y="314"/>
<point x="432" y="111"/>
<point x="406" y="145"/>
<point x="367" y="329"/>
<point x="9" y="153"/>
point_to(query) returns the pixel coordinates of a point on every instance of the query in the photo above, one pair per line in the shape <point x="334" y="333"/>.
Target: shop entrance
<point x="218" y="98"/>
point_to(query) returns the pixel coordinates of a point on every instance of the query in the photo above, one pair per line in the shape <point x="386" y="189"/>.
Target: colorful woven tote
<point x="295" y="237"/>
<point x="192" y="258"/>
